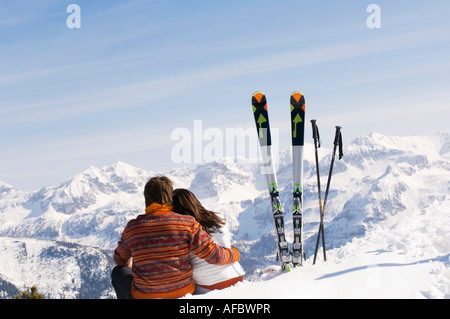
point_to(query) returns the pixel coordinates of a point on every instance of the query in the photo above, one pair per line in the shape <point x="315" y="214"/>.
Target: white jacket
<point x="208" y="274"/>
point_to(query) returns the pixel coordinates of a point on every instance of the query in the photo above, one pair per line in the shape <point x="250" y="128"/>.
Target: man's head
<point x="158" y="190"/>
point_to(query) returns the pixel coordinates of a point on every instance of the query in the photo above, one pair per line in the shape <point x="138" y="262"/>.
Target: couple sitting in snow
<point x="177" y="247"/>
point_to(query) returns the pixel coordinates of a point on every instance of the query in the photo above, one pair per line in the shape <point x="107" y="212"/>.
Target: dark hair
<point x="158" y="190"/>
<point x="185" y="202"/>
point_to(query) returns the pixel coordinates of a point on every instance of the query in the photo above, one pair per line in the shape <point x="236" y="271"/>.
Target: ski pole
<point x="316" y="137"/>
<point x="337" y="142"/>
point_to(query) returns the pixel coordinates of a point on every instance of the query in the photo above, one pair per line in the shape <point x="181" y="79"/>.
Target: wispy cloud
<point x="4" y="23"/>
<point x="146" y="92"/>
<point x="15" y="78"/>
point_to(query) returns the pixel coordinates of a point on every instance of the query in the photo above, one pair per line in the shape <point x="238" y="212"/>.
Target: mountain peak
<point x="122" y="165"/>
<point x="5" y="186"/>
<point x="122" y="169"/>
<point x="433" y="145"/>
<point x="6" y="189"/>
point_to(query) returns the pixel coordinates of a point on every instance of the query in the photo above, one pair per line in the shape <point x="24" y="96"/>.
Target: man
<point x="159" y="243"/>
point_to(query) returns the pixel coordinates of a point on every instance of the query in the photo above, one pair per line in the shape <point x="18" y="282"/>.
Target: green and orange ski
<point x="261" y="115"/>
<point x="298" y="138"/>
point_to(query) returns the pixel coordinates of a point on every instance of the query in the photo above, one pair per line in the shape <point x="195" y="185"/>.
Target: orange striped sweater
<point x="159" y="243"/>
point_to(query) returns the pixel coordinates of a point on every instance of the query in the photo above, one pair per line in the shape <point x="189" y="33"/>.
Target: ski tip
<point x="297" y="100"/>
<point x="297" y="95"/>
<point x="258" y="95"/>
<point x="259" y="101"/>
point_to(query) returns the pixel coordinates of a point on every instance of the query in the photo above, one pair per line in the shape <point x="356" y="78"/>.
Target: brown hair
<point x="185" y="202"/>
<point x="158" y="190"/>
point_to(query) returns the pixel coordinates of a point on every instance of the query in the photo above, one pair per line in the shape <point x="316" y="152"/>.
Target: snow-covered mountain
<point x="59" y="269"/>
<point x="66" y="233"/>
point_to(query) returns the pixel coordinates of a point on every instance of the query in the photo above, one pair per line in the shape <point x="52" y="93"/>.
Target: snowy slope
<point x="380" y="186"/>
<point x="406" y="257"/>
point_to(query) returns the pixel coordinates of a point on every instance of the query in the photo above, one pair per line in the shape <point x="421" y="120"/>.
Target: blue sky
<point x="115" y="89"/>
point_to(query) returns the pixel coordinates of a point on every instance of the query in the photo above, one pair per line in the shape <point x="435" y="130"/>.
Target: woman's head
<point x="185" y="202"/>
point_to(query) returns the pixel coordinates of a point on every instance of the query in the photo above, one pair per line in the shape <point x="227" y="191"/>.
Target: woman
<point x="206" y="276"/>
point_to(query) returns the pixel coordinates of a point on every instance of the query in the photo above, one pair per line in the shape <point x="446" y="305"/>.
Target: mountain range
<point x="61" y="238"/>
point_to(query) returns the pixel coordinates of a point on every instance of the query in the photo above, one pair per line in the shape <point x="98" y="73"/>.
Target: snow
<point x="401" y="258"/>
<point x="387" y="223"/>
<point x="57" y="269"/>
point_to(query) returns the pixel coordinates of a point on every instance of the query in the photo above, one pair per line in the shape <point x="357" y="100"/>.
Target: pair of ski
<point x="337" y="142"/>
<point x="286" y="257"/>
<point x="260" y="112"/>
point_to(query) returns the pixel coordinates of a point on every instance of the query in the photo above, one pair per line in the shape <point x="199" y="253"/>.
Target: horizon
<point x="324" y="151"/>
<point x="118" y="84"/>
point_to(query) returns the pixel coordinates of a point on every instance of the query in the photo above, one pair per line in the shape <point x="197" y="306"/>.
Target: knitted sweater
<point x="159" y="244"/>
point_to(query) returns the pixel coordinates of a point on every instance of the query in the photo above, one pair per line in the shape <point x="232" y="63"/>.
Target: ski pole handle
<point x="338" y="140"/>
<point x="316" y="135"/>
<point x="337" y="135"/>
<point x="314" y="129"/>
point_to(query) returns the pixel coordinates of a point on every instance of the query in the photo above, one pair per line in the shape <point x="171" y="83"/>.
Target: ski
<point x="259" y="105"/>
<point x="297" y="132"/>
